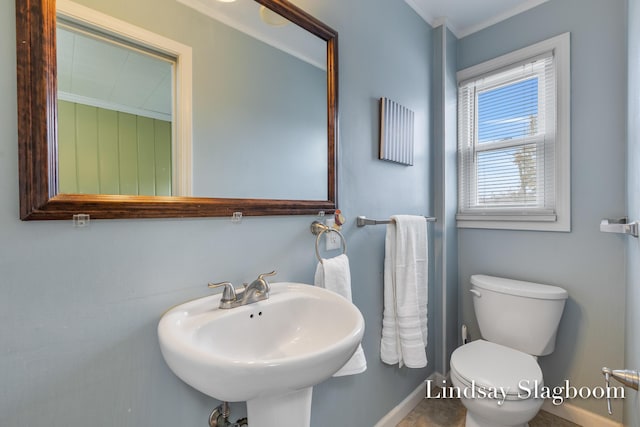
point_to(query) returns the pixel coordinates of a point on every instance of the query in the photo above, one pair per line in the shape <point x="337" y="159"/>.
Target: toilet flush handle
<point x="475" y="293"/>
<point x="607" y="381"/>
<point x="627" y="377"/>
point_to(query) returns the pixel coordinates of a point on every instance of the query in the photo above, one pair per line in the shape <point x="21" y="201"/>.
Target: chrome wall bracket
<point x="621" y="226"/>
<point x="317" y="227"/>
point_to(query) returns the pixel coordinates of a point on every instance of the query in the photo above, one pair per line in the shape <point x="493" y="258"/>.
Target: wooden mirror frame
<point x="37" y="134"/>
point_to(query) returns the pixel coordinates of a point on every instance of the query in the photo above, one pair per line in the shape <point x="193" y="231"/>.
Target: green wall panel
<point x="127" y="142"/>
<point x="103" y="151"/>
<point x="163" y="157"/>
<point x="108" y="151"/>
<point x="67" y="178"/>
<point x="146" y="156"/>
<point x="87" y="149"/>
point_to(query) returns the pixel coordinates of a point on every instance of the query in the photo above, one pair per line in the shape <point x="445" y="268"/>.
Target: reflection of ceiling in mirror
<point x="101" y="73"/>
<point x="246" y="16"/>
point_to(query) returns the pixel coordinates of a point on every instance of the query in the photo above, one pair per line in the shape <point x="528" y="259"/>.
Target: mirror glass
<point x="259" y="107"/>
<point x="239" y="98"/>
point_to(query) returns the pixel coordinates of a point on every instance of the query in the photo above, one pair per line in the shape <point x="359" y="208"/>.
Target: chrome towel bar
<point x="361" y="221"/>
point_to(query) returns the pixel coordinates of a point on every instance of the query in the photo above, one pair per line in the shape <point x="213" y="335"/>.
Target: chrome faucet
<point x="257" y="290"/>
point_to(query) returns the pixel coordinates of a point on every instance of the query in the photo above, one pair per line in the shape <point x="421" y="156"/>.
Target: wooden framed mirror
<point x="40" y="198"/>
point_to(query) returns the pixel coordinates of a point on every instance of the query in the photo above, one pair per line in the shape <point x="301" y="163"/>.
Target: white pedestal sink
<point x="269" y="354"/>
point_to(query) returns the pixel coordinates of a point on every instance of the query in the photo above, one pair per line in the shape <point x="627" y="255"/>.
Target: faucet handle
<point x="262" y="276"/>
<point x="262" y="279"/>
<point x="229" y="293"/>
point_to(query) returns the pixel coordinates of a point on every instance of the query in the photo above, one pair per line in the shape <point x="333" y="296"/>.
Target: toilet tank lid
<point x="518" y="287"/>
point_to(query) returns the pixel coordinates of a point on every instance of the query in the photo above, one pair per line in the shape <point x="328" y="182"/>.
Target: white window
<point x="513" y="140"/>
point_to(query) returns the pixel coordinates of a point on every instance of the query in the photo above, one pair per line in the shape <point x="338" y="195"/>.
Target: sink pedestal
<point x="283" y="410"/>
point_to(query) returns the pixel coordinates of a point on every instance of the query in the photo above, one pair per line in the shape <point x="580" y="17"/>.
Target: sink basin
<point x="281" y="346"/>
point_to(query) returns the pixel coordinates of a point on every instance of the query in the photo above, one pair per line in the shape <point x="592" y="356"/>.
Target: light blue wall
<point x="632" y="353"/>
<point x="79" y="307"/>
<point x="377" y="63"/>
<point x="588" y="263"/>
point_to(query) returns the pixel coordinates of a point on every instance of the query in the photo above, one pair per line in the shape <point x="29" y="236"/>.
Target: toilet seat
<point x="489" y="366"/>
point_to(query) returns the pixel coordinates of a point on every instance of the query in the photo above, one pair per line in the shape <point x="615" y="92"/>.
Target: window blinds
<point x="506" y="140"/>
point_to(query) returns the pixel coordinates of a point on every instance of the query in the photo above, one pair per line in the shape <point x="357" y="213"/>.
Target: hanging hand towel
<point x="404" y="320"/>
<point x="334" y="275"/>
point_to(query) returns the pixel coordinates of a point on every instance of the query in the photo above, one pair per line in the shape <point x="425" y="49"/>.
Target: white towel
<point x="334" y="275"/>
<point x="404" y="320"/>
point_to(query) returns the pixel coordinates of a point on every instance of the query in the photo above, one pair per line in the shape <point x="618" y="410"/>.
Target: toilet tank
<point x="517" y="314"/>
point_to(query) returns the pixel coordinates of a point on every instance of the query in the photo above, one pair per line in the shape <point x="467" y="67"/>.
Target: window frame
<point x="527" y="218"/>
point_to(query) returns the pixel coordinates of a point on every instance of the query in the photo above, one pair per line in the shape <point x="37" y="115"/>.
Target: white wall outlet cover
<point x="332" y="240"/>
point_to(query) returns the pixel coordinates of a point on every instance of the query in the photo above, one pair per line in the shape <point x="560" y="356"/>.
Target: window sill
<point x="514" y="222"/>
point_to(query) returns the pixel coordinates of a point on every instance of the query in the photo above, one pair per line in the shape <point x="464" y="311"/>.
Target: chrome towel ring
<point x="318" y="229"/>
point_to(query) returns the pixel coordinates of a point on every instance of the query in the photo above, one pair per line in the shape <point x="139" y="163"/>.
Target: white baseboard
<point x="403" y="408"/>
<point x="578" y="415"/>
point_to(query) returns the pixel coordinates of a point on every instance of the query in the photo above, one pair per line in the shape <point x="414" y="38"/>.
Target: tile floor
<point x="451" y="413"/>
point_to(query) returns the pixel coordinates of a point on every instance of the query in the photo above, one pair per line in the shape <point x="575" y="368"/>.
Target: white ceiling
<point x="464" y="17"/>
<point x="97" y="72"/>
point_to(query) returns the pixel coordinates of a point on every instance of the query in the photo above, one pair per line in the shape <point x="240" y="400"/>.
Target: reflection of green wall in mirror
<point x="103" y="151"/>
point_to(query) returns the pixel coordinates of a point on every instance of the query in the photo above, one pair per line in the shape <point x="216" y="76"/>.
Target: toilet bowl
<point x="498" y="377"/>
<point x="496" y="384"/>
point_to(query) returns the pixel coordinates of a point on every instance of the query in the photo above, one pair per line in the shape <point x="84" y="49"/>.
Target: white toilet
<point x="497" y="375"/>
